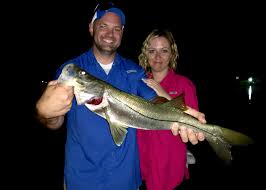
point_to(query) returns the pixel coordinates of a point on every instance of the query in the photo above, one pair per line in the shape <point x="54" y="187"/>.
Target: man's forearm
<point x="51" y="123"/>
<point x="54" y="123"/>
<point x="48" y="120"/>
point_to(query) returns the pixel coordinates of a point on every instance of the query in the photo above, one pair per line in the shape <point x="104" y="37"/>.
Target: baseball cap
<point x="102" y="8"/>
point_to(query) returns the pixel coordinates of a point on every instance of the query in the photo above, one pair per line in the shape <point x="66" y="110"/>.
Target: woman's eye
<point x="150" y="51"/>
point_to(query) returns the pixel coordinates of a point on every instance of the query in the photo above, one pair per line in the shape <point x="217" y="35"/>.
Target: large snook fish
<point x="123" y="110"/>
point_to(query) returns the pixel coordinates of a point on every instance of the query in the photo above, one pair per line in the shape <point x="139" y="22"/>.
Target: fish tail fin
<point x="221" y="148"/>
<point x="223" y="139"/>
<point x="235" y="138"/>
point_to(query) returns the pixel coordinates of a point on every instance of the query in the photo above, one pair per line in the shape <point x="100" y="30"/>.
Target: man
<point x="92" y="160"/>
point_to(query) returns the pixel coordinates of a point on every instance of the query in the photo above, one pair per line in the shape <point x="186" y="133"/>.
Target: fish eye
<point x="82" y="73"/>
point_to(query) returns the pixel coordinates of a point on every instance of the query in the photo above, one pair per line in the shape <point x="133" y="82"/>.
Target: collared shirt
<point x="92" y="159"/>
<point x="163" y="155"/>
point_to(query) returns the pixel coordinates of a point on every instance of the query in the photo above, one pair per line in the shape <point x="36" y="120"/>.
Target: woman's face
<point x="159" y="54"/>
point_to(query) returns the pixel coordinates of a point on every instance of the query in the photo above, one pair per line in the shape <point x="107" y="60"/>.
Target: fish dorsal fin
<point x="175" y="102"/>
<point x="159" y="100"/>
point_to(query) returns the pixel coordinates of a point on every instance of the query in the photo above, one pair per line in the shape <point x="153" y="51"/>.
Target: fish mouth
<point x="95" y="100"/>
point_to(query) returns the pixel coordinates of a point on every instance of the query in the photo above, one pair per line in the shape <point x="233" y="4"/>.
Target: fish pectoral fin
<point x="118" y="133"/>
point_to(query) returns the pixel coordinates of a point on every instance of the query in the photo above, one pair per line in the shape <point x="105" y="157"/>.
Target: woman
<point x="162" y="155"/>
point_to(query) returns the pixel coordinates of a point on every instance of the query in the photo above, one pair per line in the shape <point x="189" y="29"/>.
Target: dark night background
<point x="218" y="42"/>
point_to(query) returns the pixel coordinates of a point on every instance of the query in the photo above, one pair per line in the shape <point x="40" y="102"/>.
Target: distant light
<point x="249" y="92"/>
<point x="250" y="79"/>
<point x="237" y="77"/>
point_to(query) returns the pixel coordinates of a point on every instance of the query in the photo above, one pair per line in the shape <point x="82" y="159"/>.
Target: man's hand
<point x="188" y="134"/>
<point x="54" y="103"/>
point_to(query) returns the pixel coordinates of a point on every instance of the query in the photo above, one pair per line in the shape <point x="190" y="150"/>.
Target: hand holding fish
<point x="54" y="103"/>
<point x="187" y="134"/>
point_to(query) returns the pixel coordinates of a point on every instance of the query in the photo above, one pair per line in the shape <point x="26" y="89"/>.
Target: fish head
<point x="87" y="88"/>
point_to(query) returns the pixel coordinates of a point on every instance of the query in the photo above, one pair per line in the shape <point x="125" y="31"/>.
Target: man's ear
<point x="91" y="28"/>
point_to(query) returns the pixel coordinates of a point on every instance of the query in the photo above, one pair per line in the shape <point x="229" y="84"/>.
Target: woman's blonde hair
<point x="143" y="57"/>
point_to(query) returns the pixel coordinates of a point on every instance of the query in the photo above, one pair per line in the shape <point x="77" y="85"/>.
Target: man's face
<point x="107" y="33"/>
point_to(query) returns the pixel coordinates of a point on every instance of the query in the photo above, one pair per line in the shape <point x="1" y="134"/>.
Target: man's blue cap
<point x="100" y="13"/>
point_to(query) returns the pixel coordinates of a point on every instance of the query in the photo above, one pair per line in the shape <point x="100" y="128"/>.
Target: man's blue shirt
<point x="92" y="159"/>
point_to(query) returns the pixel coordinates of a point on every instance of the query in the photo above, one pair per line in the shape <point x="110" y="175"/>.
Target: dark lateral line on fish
<point x="193" y="127"/>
